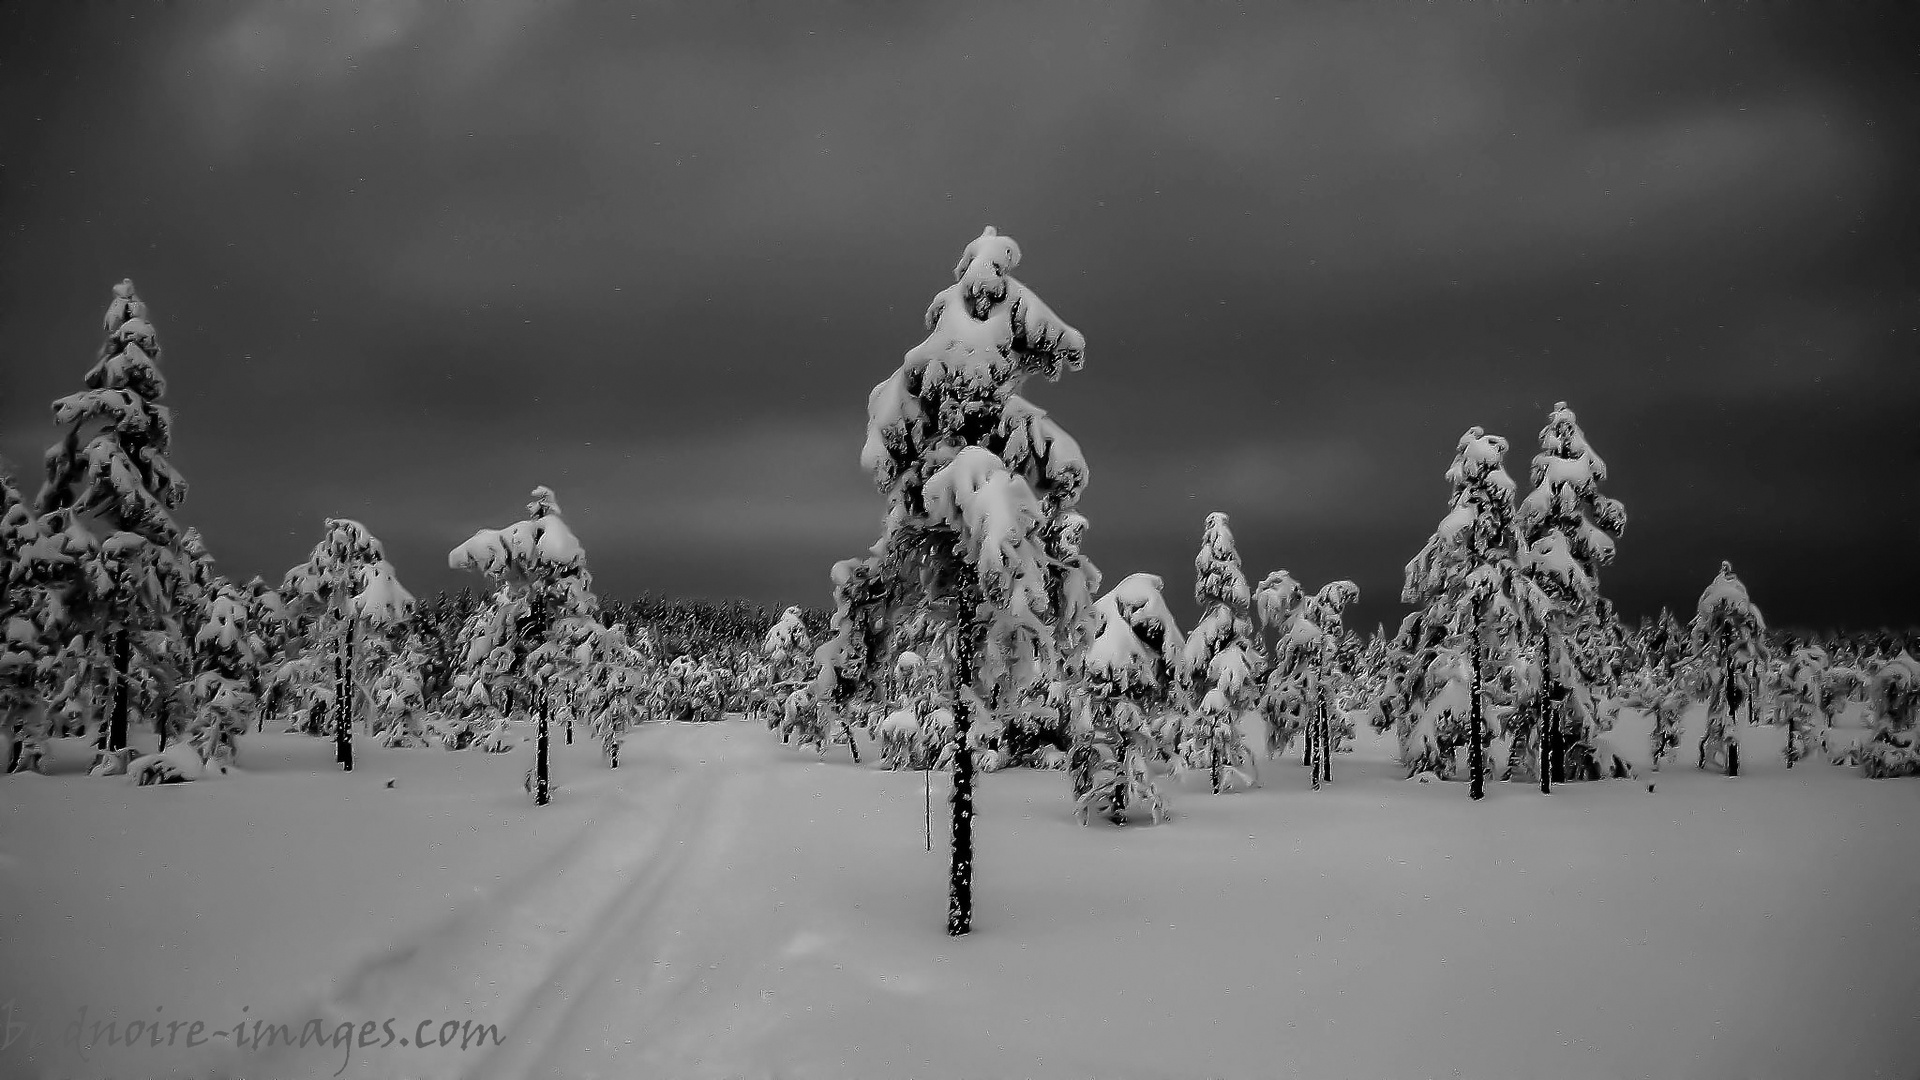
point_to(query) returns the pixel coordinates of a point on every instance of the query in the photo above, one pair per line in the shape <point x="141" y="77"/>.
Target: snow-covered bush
<point x="1894" y="749"/>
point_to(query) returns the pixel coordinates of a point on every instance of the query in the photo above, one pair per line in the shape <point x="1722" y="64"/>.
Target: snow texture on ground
<point x="725" y="906"/>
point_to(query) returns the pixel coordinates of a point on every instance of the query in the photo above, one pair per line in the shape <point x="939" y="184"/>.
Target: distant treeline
<point x="678" y="626"/>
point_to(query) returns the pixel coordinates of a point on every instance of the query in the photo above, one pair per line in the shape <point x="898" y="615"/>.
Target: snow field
<point x="725" y="906"/>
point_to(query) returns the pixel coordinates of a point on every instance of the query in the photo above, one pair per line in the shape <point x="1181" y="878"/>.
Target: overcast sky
<point x="408" y="260"/>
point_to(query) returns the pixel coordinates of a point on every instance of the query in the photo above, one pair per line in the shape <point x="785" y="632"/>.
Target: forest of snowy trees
<point x="973" y="636"/>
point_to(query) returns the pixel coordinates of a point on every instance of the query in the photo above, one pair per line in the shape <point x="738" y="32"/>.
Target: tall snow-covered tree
<point x="1132" y="671"/>
<point x="1467" y="578"/>
<point x="1221" y="663"/>
<point x="980" y="531"/>
<point x="1304" y="670"/>
<point x="544" y="594"/>
<point x="1728" y="642"/>
<point x="344" y="591"/>
<point x="1283" y="703"/>
<point x="1569" y="529"/>
<point x="111" y="491"/>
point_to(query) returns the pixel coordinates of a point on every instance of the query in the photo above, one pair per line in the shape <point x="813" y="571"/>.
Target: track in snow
<point x="579" y="955"/>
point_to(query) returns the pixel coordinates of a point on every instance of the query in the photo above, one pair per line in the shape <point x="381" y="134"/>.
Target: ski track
<point x="527" y="958"/>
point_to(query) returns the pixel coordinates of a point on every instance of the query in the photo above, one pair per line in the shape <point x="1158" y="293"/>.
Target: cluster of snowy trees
<point x="114" y="622"/>
<point x="973" y="634"/>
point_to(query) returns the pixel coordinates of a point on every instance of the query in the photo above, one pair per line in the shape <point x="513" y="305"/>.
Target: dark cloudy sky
<point x="409" y="259"/>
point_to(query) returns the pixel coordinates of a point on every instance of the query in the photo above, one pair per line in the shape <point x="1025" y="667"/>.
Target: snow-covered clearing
<point x="725" y="906"/>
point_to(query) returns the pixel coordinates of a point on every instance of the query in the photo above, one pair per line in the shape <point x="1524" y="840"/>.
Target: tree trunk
<point x="160" y="720"/>
<point x="1548" y="726"/>
<point x="1730" y="732"/>
<point x="1216" y="748"/>
<point x="960" y="868"/>
<point x="1557" y="739"/>
<point x="343" y="702"/>
<point x="1325" y="753"/>
<point x="1316" y="745"/>
<point x="540" y="793"/>
<point x="117" y="719"/>
<point x="1476" y="756"/>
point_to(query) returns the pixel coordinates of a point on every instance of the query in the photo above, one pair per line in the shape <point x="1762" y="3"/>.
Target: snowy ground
<point x="724" y="906"/>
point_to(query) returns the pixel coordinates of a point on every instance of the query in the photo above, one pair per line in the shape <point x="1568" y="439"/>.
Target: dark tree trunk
<point x="1549" y="726"/>
<point x="1315" y="735"/>
<point x="1557" y="740"/>
<point x="1325" y="754"/>
<point x="1216" y="748"/>
<point x="117" y="719"/>
<point x="1731" y="731"/>
<point x="960" y="868"/>
<point x="540" y="793"/>
<point x="163" y="715"/>
<point x="343" y="703"/>
<point x="1476" y="756"/>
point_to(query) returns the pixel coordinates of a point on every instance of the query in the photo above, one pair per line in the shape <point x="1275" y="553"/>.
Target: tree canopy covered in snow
<point x="109" y="494"/>
<point x="1221" y="662"/>
<point x="980" y="529"/>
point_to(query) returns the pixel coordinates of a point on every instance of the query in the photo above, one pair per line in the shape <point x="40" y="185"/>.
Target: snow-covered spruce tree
<point x="111" y="492"/>
<point x="980" y="529"/>
<point x="1728" y="641"/>
<point x="345" y="589"/>
<point x="166" y="681"/>
<point x="269" y="623"/>
<point x="789" y="652"/>
<point x="1131" y="675"/>
<point x="617" y="682"/>
<point x="543" y="589"/>
<point x="1799" y="686"/>
<point x="1894" y="748"/>
<point x="1221" y="662"/>
<point x="1568" y="528"/>
<point x="1467" y="579"/>
<point x="226" y="670"/>
<point x="32" y="561"/>
<point x="1282" y="704"/>
<point x="911" y="736"/>
<point x="402" y="718"/>
<point x="1304" y="671"/>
